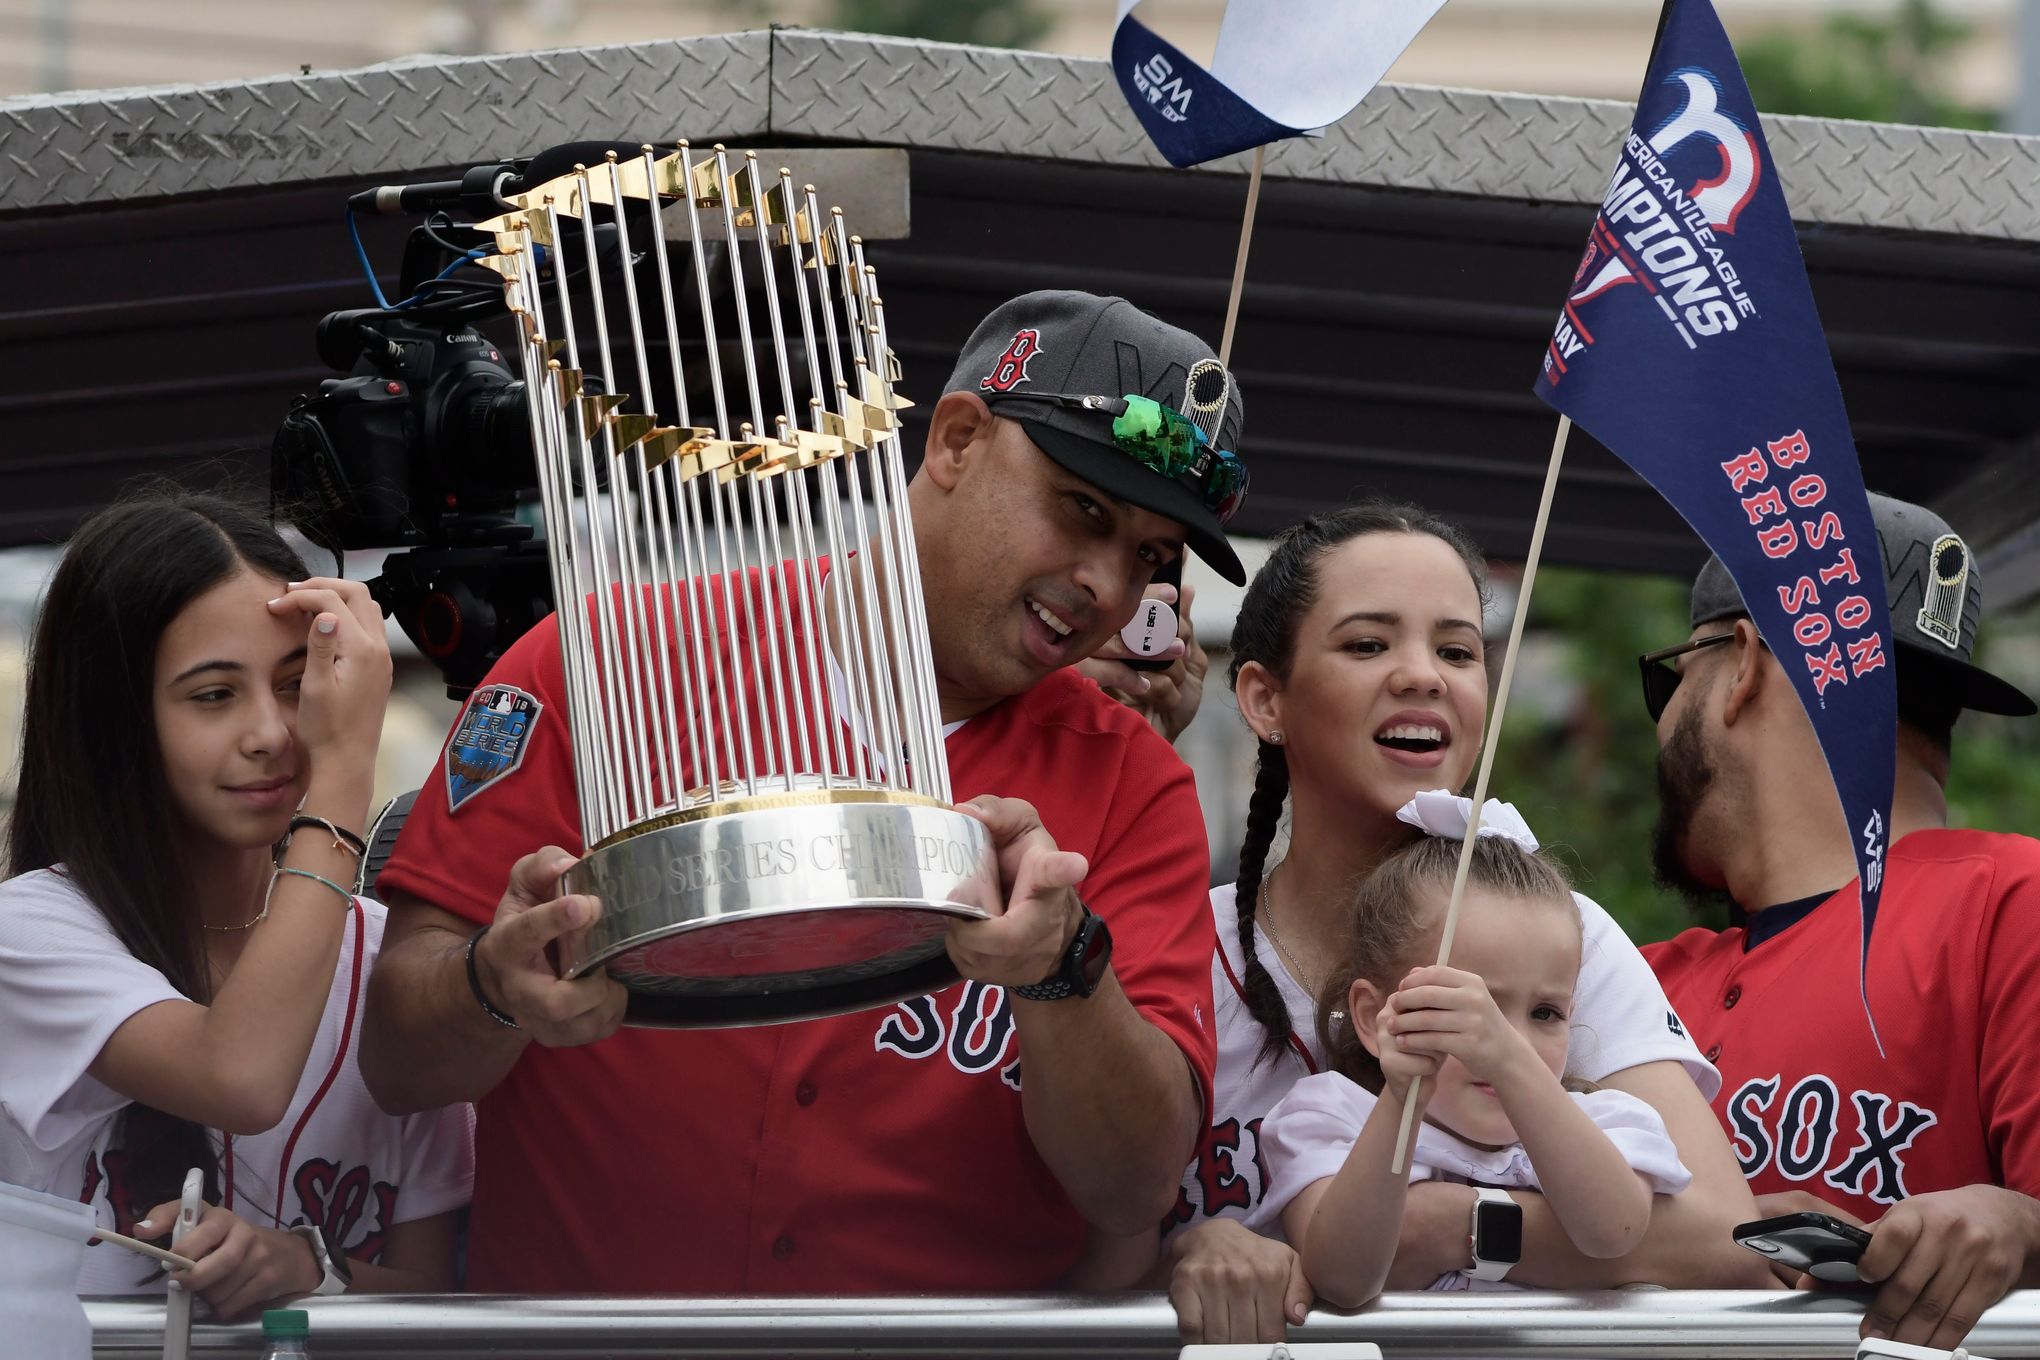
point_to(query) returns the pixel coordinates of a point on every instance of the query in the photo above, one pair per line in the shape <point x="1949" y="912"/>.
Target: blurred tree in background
<point x="988" y="23"/>
<point x="1996" y="781"/>
<point x="1582" y="770"/>
<point x="1880" y="68"/>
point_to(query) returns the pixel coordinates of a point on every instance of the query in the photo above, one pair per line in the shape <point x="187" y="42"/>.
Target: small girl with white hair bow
<point x="1485" y="1041"/>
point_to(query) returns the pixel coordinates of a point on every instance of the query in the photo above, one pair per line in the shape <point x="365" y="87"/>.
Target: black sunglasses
<point x="1661" y="677"/>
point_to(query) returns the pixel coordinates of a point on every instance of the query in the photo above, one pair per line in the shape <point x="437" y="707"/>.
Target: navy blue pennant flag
<point x="1689" y="345"/>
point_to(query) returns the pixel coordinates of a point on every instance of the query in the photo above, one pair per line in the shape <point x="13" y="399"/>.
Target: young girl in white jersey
<point x="181" y="956"/>
<point x="1358" y="661"/>
<point x="1484" y="1042"/>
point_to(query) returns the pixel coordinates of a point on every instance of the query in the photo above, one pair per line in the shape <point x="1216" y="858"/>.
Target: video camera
<point x="426" y="444"/>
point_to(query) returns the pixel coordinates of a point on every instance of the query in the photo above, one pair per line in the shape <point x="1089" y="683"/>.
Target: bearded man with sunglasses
<point x="1934" y="1143"/>
<point x="959" y="1141"/>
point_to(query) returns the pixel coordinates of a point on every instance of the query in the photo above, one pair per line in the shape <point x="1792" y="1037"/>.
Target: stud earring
<point x="1275" y="737"/>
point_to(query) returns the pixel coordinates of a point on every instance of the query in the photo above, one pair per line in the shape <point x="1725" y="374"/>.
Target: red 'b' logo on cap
<point x="1011" y="370"/>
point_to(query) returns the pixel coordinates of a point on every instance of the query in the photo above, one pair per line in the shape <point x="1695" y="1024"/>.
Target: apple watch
<point x="1083" y="963"/>
<point x="336" y="1272"/>
<point x="1497" y="1233"/>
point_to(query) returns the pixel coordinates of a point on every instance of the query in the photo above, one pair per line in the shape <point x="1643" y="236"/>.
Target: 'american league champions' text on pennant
<point x="1281" y="68"/>
<point x="1689" y="345"/>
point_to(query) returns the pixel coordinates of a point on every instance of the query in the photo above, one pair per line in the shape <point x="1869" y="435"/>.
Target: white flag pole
<point x="141" y="1248"/>
<point x="1487" y="755"/>
<point x="1239" y="271"/>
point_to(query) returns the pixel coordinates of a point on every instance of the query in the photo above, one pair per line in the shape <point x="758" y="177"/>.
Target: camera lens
<point x="488" y="435"/>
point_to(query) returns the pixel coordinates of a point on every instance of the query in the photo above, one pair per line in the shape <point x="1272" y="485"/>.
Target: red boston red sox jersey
<point x="1954" y="980"/>
<point x="883" y="1151"/>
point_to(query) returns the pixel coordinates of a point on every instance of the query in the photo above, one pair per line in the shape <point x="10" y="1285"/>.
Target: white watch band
<point x="1488" y="1269"/>
<point x="330" y="1280"/>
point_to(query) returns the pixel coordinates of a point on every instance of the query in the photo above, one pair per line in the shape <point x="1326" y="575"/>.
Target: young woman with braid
<point x="1358" y="661"/>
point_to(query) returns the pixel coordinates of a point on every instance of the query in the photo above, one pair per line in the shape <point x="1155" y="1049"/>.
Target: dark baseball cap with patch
<point x="1936" y="597"/>
<point x="1082" y="345"/>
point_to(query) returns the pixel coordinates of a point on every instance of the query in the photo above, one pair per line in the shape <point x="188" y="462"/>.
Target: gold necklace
<point x="1275" y="938"/>
<point x="248" y="924"/>
<point x="1268" y="918"/>
<point x="252" y="921"/>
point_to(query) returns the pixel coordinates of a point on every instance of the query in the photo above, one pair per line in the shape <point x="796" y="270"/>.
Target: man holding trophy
<point x="958" y="1140"/>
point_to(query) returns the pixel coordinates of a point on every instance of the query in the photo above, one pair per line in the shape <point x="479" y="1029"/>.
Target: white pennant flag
<point x="1281" y="69"/>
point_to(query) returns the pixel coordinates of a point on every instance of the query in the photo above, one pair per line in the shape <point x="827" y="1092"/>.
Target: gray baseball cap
<point x="1081" y="345"/>
<point x="1936" y="598"/>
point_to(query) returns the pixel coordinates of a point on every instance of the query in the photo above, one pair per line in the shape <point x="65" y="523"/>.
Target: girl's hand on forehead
<point x="336" y="595"/>
<point x="346" y="682"/>
<point x="1448" y="1012"/>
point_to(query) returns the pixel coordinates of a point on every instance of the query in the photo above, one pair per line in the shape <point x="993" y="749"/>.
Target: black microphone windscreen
<point x="561" y="160"/>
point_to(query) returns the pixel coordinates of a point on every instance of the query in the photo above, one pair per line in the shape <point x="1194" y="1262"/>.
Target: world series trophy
<point x="757" y="745"/>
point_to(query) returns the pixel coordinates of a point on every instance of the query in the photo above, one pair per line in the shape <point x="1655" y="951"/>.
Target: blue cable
<point x="420" y="295"/>
<point x="361" y="251"/>
<point x="366" y="268"/>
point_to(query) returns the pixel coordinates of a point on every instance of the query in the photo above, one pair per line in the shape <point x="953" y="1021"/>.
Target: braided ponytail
<point x="1277" y="599"/>
<point x="1264" y="811"/>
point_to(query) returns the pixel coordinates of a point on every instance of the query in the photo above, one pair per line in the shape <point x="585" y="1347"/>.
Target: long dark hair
<point x="1278" y="597"/>
<point x="93" y="795"/>
<point x="1388" y="919"/>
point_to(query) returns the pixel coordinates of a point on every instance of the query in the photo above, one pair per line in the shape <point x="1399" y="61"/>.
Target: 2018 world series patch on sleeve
<point x="490" y="740"/>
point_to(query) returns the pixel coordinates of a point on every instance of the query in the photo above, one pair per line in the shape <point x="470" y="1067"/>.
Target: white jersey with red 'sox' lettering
<point x="1620" y="1020"/>
<point x="336" y="1160"/>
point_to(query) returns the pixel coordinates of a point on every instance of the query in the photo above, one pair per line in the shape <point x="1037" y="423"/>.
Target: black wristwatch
<point x="1083" y="963"/>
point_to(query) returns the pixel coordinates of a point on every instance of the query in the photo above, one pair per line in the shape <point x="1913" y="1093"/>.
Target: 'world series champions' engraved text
<point x="880" y="862"/>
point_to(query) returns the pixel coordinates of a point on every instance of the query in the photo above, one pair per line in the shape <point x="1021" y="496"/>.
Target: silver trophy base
<point x="781" y="907"/>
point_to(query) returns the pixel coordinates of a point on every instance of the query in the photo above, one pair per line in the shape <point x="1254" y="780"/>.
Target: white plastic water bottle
<point x="285" y="1332"/>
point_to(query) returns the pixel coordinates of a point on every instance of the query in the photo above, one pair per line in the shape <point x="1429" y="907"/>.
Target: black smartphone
<point x="1813" y="1244"/>
<point x="1170" y="574"/>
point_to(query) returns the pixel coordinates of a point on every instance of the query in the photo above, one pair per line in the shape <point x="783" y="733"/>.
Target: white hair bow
<point x="1441" y="813"/>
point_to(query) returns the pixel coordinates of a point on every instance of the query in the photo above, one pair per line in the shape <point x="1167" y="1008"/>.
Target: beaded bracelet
<point x="343" y="839"/>
<point x="345" y="896"/>
<point x="495" y="1013"/>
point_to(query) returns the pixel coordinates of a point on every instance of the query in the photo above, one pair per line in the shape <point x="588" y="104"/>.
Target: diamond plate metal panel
<point x="112" y="146"/>
<point x="1984" y="184"/>
<point x="903" y="92"/>
<point x="120" y="145"/>
<point x="1408" y="137"/>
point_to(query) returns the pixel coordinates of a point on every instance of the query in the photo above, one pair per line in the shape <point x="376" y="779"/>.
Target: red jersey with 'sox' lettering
<point x="883" y="1151"/>
<point x="1954" y="980"/>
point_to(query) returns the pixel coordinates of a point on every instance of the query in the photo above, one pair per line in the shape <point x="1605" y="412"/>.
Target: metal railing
<point x="1512" y="1325"/>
